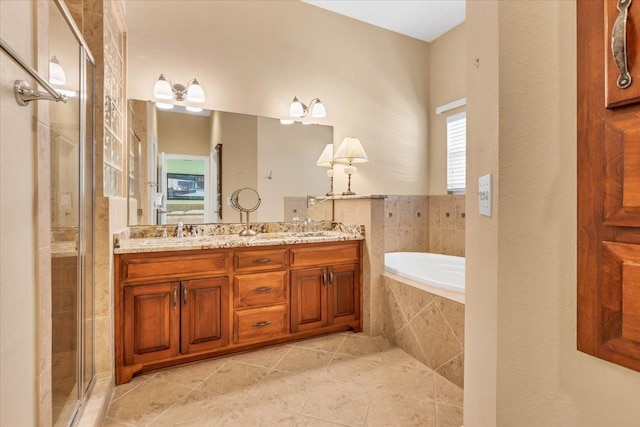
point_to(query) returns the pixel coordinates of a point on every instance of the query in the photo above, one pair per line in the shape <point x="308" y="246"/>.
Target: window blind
<point x="457" y="152"/>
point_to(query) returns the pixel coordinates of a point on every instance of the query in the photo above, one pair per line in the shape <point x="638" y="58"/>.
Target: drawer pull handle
<point x="175" y="297"/>
<point x="330" y="276"/>
<point x="261" y="324"/>
<point x="185" y="294"/>
<point x="262" y="289"/>
<point x="261" y="260"/>
<point x="324" y="278"/>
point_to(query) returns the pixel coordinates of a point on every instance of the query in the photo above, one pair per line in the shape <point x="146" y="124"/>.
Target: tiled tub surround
<point x="406" y="224"/>
<point x="446" y="224"/>
<point x="425" y="224"/>
<point x="427" y="326"/>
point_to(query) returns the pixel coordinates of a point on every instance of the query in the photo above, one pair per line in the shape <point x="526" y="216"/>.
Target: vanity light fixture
<point x="164" y="89"/>
<point x="56" y="72"/>
<point x="350" y="151"/>
<point x="298" y="109"/>
<point x="326" y="161"/>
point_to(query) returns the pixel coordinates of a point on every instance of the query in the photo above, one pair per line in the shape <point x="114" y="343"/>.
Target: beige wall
<point x="18" y="226"/>
<point x="253" y="57"/>
<point x="291" y="167"/>
<point x="186" y="134"/>
<point x="481" y="237"/>
<point x="447" y="83"/>
<point x="238" y="134"/>
<point x="541" y="378"/>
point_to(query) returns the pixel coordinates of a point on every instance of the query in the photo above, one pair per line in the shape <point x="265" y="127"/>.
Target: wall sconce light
<point x="350" y="151"/>
<point x="298" y="109"/>
<point x="326" y="161"/>
<point x="192" y="92"/>
<point x="56" y="73"/>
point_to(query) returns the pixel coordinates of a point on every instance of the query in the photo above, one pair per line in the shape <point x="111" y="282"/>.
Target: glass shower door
<point x="72" y="254"/>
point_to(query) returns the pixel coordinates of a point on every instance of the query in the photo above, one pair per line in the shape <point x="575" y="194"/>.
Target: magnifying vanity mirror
<point x="185" y="166"/>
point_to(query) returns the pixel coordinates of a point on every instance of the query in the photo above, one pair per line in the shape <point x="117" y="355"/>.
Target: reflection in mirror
<point x="177" y="172"/>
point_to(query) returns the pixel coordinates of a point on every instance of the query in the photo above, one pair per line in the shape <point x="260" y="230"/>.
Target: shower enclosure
<point x="72" y="185"/>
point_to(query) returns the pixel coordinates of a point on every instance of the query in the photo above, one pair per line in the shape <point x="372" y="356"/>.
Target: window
<point x="456" y="152"/>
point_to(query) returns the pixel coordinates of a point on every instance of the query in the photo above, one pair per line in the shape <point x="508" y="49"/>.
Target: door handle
<point x="619" y="44"/>
<point x="324" y="277"/>
<point x="185" y="294"/>
<point x="330" y="277"/>
<point x="175" y="297"/>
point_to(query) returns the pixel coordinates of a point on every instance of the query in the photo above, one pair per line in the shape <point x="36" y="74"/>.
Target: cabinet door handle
<point x="175" y="297"/>
<point x="185" y="294"/>
<point x="262" y="289"/>
<point x="261" y="260"/>
<point x="330" y="277"/>
<point x="324" y="278"/>
<point x="261" y="324"/>
<point x="619" y="44"/>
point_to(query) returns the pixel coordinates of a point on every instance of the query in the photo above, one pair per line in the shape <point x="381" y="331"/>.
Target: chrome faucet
<point x="180" y="229"/>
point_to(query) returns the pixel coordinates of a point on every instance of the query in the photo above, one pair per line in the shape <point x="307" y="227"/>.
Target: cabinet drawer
<point x="173" y="266"/>
<point x="259" y="324"/>
<point x="327" y="254"/>
<point x="259" y="260"/>
<point x="259" y="289"/>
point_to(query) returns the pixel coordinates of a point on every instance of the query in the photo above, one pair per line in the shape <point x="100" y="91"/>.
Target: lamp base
<point x="348" y="193"/>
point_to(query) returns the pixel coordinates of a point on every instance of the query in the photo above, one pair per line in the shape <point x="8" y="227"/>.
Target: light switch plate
<point x="484" y="195"/>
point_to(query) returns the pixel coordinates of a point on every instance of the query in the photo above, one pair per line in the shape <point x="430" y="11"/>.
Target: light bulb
<point x="193" y="109"/>
<point x="164" y="106"/>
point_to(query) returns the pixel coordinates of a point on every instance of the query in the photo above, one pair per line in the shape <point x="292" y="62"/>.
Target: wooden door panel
<point x="205" y="305"/>
<point x="308" y="296"/>
<point x="151" y="322"/>
<point x="621" y="146"/>
<point x="616" y="96"/>
<point x="608" y="187"/>
<point x="343" y="293"/>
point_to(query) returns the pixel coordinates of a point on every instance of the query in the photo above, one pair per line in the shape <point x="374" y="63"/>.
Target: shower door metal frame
<point x="85" y="55"/>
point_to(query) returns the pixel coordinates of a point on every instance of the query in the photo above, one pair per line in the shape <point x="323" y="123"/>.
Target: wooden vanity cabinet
<point x="329" y="293"/>
<point x="181" y="306"/>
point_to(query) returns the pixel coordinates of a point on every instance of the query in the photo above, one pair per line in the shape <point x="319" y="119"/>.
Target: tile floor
<point x="343" y="379"/>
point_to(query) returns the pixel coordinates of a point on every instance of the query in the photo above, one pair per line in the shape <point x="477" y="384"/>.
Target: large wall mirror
<point x="184" y="165"/>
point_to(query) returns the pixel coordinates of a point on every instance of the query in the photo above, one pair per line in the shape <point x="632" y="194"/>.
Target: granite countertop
<point x="139" y="239"/>
<point x="159" y="244"/>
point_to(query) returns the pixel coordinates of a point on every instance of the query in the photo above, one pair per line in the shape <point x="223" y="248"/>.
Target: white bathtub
<point x="439" y="274"/>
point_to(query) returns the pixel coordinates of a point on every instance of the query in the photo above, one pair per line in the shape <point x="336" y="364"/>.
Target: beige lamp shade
<point x="350" y="151"/>
<point x="326" y="158"/>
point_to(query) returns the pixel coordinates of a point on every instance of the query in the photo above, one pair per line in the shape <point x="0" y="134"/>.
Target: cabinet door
<point x="344" y="295"/>
<point x="609" y="180"/>
<point x="151" y="322"/>
<point x="308" y="299"/>
<point x="205" y="314"/>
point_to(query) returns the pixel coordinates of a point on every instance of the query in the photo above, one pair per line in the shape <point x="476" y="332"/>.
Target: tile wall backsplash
<point x="446" y="224"/>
